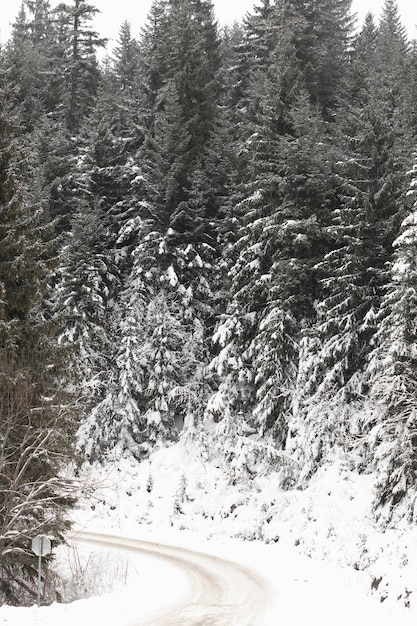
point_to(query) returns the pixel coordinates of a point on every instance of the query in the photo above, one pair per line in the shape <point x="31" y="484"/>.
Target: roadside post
<point x="41" y="546"/>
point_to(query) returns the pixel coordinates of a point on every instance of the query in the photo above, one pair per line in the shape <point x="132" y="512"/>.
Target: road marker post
<point x="41" y="546"/>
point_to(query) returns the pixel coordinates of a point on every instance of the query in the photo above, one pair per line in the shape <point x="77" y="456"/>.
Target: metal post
<point x="39" y="579"/>
<point x="41" y="546"/>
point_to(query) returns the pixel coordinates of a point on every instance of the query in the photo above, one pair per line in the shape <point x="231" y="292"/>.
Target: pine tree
<point x="111" y="141"/>
<point x="370" y="174"/>
<point x="390" y="417"/>
<point x="392" y="44"/>
<point x="322" y="42"/>
<point x="410" y="92"/>
<point x="115" y="427"/>
<point x="125" y="58"/>
<point x="168" y="236"/>
<point x="273" y="283"/>
<point x="84" y="286"/>
<point x="36" y="428"/>
<point x="30" y="60"/>
<point x="159" y="381"/>
<point x="180" y="65"/>
<point x="363" y="57"/>
<point x="79" y="63"/>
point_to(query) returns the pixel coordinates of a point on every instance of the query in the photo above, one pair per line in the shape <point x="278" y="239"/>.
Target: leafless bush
<point x="35" y="443"/>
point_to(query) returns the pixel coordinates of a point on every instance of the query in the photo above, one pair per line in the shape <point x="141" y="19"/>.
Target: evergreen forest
<point x="208" y="234"/>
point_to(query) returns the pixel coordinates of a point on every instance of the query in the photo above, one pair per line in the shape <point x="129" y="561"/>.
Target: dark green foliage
<point x="391" y="412"/>
<point x="370" y="174"/>
<point x="322" y="44"/>
<point x="272" y="262"/>
<point x="125" y="58"/>
<point x="36" y="423"/>
<point x="29" y="59"/>
<point x="78" y="63"/>
<point x="227" y="197"/>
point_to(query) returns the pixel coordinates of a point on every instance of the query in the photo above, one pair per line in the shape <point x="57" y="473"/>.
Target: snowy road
<point x="218" y="592"/>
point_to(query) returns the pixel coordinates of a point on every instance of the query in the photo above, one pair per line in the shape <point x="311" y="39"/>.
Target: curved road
<point x="221" y="593"/>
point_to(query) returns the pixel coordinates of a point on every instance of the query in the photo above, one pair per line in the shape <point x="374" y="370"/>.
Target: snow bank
<point x="318" y="549"/>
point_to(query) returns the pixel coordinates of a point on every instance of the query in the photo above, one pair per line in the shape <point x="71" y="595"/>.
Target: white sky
<point x="113" y="12"/>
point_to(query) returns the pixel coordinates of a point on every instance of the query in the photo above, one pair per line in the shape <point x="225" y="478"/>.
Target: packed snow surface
<point x="316" y="556"/>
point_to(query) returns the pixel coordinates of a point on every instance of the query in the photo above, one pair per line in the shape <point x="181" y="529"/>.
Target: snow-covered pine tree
<point x="391" y="411"/>
<point x="273" y="285"/>
<point x="410" y="91"/>
<point x="100" y="234"/>
<point x="371" y="174"/>
<point x="115" y="427"/>
<point x="159" y="382"/>
<point x="111" y="139"/>
<point x="168" y="236"/>
<point x="82" y="296"/>
<point x="181" y="62"/>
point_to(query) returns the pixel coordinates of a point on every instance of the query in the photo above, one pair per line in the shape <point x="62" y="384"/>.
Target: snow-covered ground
<point x="318" y="550"/>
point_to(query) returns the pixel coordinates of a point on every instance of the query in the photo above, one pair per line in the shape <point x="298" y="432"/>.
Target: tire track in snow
<point x="220" y="593"/>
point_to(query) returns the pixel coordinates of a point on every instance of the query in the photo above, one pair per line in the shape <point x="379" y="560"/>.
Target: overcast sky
<point x="113" y="12"/>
